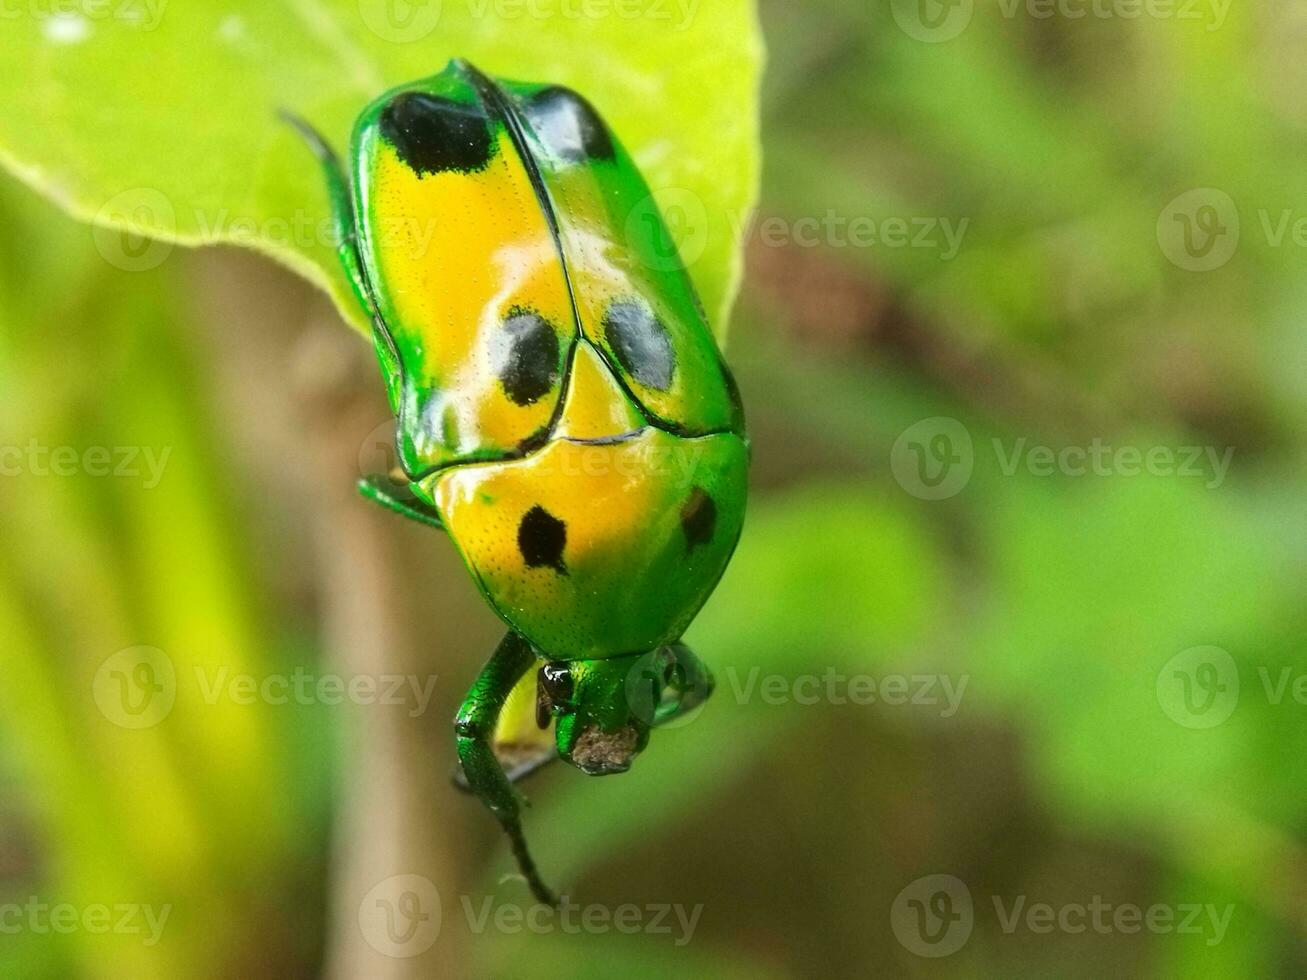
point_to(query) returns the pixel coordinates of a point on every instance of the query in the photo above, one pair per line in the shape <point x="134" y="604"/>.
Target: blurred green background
<point x="1020" y="341"/>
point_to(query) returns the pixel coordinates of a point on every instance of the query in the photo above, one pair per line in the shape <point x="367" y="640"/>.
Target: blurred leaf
<point x="97" y="562"/>
<point x="1096" y="587"/>
<point x="674" y="953"/>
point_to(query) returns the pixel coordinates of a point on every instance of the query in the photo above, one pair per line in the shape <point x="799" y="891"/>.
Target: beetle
<point x="562" y="410"/>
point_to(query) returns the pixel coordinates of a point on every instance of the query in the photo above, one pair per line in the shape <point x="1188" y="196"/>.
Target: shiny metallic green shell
<point x="562" y="403"/>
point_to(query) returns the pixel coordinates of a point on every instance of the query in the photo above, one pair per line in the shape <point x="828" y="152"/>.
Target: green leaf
<point x="160" y="119"/>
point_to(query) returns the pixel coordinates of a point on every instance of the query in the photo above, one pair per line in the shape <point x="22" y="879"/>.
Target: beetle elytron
<point x="562" y="409"/>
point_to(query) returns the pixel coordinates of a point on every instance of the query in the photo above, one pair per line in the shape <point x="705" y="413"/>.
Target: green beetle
<point x="562" y="409"/>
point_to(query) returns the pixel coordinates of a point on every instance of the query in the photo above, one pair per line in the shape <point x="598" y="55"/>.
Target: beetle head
<point x="607" y="708"/>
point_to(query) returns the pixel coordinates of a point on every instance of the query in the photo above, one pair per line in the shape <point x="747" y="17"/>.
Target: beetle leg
<point x="517" y="766"/>
<point x="523" y="741"/>
<point x="342" y="207"/>
<point x="475" y="726"/>
<point x="393" y="495"/>
<point x="693" y="682"/>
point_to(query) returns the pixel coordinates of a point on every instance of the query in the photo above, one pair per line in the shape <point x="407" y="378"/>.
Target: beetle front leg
<point x="485" y="777"/>
<point x="692" y="681"/>
<point x="394" y="496"/>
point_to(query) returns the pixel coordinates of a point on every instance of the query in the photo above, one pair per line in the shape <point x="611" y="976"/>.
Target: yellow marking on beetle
<point x="595" y="405"/>
<point x="620" y="506"/>
<point x="517" y="728"/>
<point x="459" y="252"/>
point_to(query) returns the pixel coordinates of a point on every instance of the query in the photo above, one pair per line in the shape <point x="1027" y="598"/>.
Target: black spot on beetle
<point x="433" y="135"/>
<point x="527" y="364"/>
<point x="639" y="341"/>
<point x="569" y="125"/>
<point x="698" y="518"/>
<point x="541" y="537"/>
